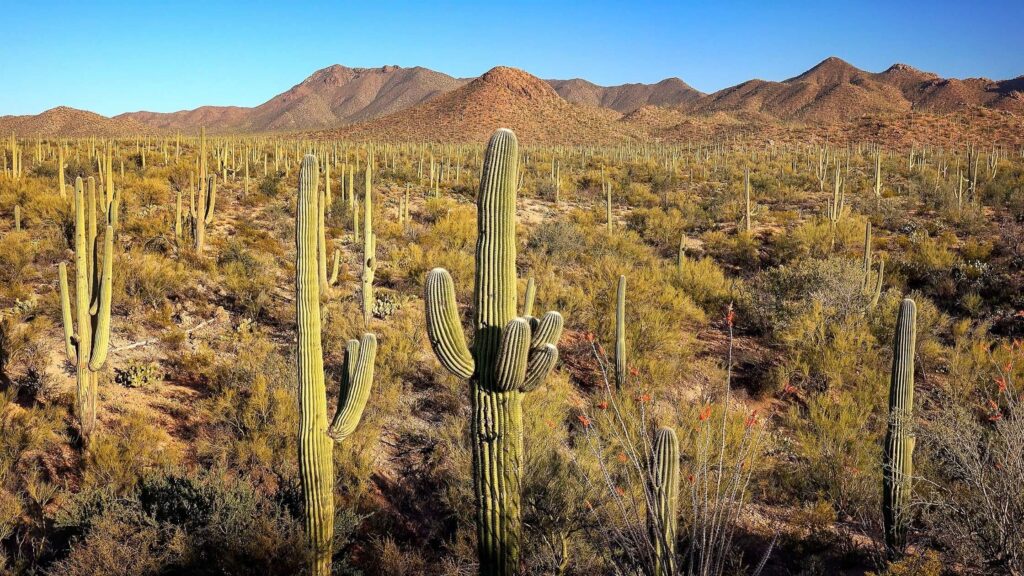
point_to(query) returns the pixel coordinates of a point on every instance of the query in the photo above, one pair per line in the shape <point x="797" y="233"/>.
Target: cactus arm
<point x="443" y="327"/>
<point x="355" y="387"/>
<point x="548" y="330"/>
<point x="65" y="308"/>
<point x="101" y="335"/>
<point x="540" y="364"/>
<point x="335" y="268"/>
<point x="531" y="295"/>
<point x="212" y="199"/>
<point x="512" y="355"/>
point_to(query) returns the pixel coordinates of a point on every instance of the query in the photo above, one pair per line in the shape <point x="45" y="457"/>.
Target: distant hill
<point x="502" y="97"/>
<point x="625" y="98"/>
<point x="418" y="103"/>
<point x="332" y="96"/>
<point x="70" y="122"/>
<point x="834" y="91"/>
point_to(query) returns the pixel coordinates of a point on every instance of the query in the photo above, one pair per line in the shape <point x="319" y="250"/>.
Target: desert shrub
<point x="706" y="283"/>
<point x="135" y="449"/>
<point x="146" y="279"/>
<point x="249" y="277"/>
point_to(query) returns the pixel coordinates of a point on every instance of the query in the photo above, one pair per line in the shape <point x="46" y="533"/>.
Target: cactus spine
<point x="369" y="248"/>
<point x="664" y="513"/>
<point x="316" y="466"/>
<point x="897" y="459"/>
<point x="87" y="347"/>
<point x="620" y="334"/>
<point x="510" y="356"/>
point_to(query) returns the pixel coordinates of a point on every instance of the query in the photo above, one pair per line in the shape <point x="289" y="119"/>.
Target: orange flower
<point x="584" y="420"/>
<point x="633" y="371"/>
<point x="1002" y="384"/>
<point x="622" y="457"/>
<point x="705" y="413"/>
<point x="789" y="389"/>
<point x="730" y="316"/>
<point x="602" y="405"/>
<point x="690" y="478"/>
<point x="643" y="398"/>
<point x="993" y="405"/>
<point x="589" y="336"/>
<point x="752" y="418"/>
<point x="620" y="491"/>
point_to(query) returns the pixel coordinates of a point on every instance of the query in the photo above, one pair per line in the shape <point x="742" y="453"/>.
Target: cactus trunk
<point x="897" y="463"/>
<point x="665" y="513"/>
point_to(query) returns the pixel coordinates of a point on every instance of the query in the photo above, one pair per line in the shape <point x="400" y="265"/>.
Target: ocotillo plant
<point x="897" y="459"/>
<point x="87" y="346"/>
<point x="620" y="334"/>
<point x="369" y="249"/>
<point x="664" y="510"/>
<point x="316" y="466"/>
<point x="510" y="356"/>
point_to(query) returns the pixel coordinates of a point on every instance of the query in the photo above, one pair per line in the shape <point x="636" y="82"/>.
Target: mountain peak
<point x="828" y="71"/>
<point x="518" y="82"/>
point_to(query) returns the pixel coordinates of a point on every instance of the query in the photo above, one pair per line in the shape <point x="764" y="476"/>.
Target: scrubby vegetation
<point x="810" y="364"/>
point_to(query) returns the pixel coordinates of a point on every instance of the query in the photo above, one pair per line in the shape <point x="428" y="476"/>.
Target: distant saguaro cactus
<point x="510" y="356"/>
<point x="620" y="333"/>
<point x="897" y="459"/>
<point x="316" y="467"/>
<point x="87" y="346"/>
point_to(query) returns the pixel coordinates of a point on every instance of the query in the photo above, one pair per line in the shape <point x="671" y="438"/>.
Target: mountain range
<point x="416" y="102"/>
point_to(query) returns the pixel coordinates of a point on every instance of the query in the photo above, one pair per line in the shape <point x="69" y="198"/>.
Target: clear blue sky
<point x="164" y="55"/>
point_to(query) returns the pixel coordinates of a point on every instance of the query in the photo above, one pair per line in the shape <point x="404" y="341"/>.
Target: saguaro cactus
<point x="316" y="467"/>
<point x="87" y="346"/>
<point x="369" y="248"/>
<point x="897" y="459"/>
<point x="663" y="514"/>
<point x="746" y="201"/>
<point x="510" y="356"/>
<point x="620" y="334"/>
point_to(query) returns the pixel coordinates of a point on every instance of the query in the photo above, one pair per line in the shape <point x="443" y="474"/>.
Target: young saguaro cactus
<point x="87" y="346"/>
<point x="510" y="356"/>
<point x="620" y="334"/>
<point x="664" y="512"/>
<point x="316" y="467"/>
<point x="897" y="458"/>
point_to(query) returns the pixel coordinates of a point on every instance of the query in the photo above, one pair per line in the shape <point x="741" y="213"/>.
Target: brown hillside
<point x="330" y="97"/>
<point x="213" y="118"/>
<point x="835" y="91"/>
<point x="831" y="91"/>
<point x="503" y="97"/>
<point x="70" y="122"/>
<point x="670" y="92"/>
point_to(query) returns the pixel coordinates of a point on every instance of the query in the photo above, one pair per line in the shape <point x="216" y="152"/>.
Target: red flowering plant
<point x="720" y="445"/>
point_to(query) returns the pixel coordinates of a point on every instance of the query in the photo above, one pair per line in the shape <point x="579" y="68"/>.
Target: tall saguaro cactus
<point x="897" y="459"/>
<point x="510" y="356"/>
<point x="620" y="334"/>
<point x="664" y="512"/>
<point x="87" y="346"/>
<point x="316" y="467"/>
<point x="369" y="248"/>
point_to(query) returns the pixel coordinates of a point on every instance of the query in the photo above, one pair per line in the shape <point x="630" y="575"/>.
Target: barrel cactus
<point x="897" y="459"/>
<point x="316" y="467"/>
<point x="510" y="356"/>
